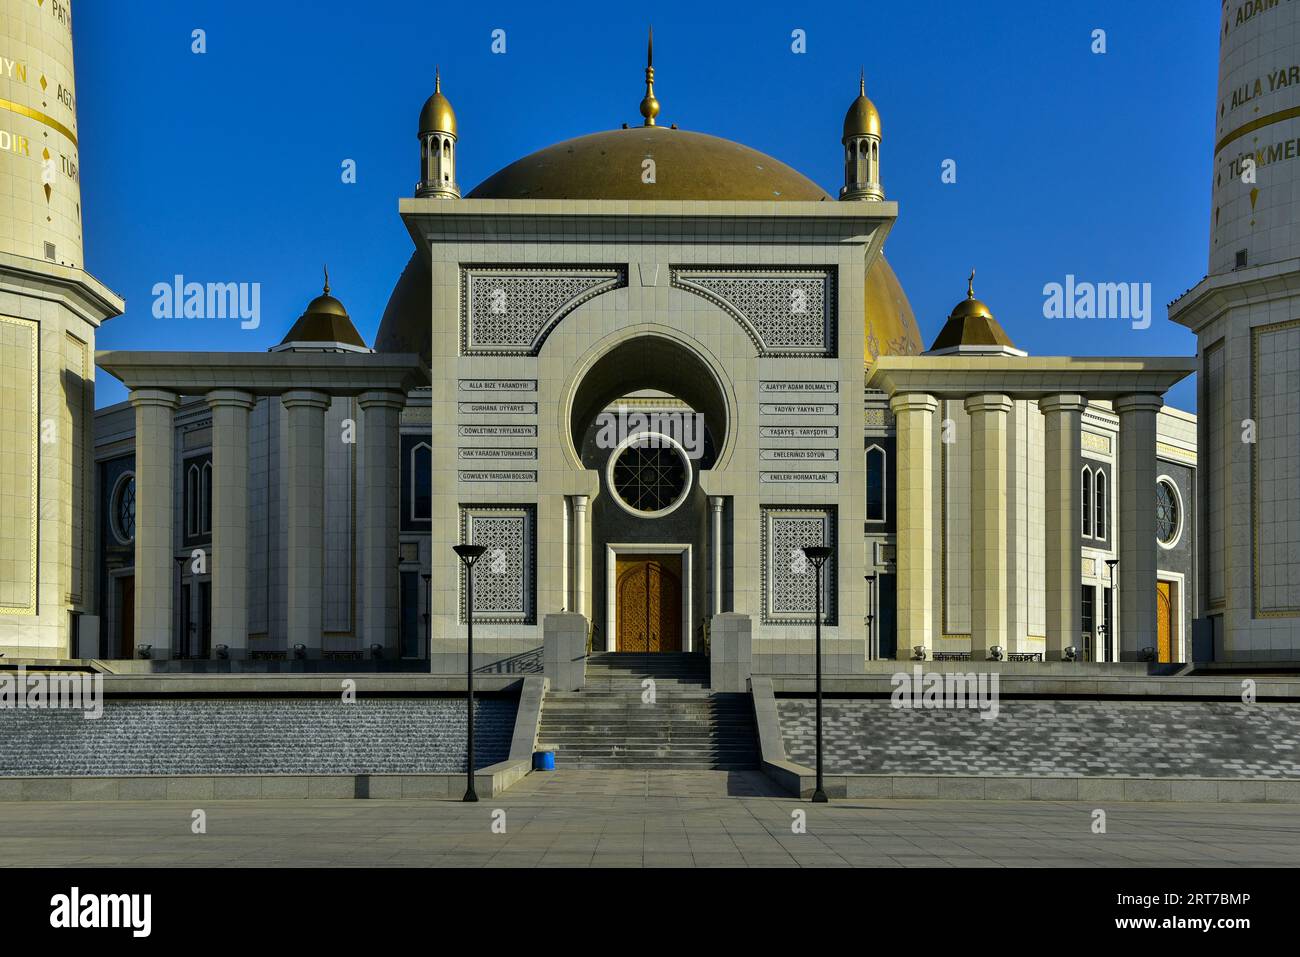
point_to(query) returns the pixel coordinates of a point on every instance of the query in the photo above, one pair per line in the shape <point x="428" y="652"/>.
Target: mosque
<point x="644" y="368"/>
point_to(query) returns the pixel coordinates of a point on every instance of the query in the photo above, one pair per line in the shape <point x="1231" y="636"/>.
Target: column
<point x="914" y="480"/>
<point x="716" y="504"/>
<point x="381" y="440"/>
<point x="1062" y="416"/>
<point x="579" y="538"/>
<point x="229" y="559"/>
<point x="988" y="525"/>
<point x="304" y="517"/>
<point x="155" y="452"/>
<point x="1137" y="523"/>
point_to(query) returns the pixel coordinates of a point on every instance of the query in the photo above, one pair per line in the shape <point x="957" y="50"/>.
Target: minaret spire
<point x="649" y="105"/>
<point x="970" y="284"/>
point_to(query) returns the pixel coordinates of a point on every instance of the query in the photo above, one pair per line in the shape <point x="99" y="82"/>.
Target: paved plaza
<point x="648" y="818"/>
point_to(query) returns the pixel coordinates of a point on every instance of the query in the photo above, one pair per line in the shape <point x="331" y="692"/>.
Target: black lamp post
<point x="182" y="650"/>
<point x="871" y="614"/>
<point x="1114" y="600"/>
<point x="469" y="554"/>
<point x="428" y="614"/>
<point x="817" y="554"/>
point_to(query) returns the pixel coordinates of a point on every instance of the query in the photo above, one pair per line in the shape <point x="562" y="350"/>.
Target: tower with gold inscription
<point x="1246" y="315"/>
<point x="50" y="308"/>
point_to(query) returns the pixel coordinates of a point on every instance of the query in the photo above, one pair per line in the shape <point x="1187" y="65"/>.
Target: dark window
<point x="124" y="510"/>
<point x="421" y="483"/>
<point x="650" y="478"/>
<point x="876" y="478"/>
<point x="1089" y="621"/>
<point x="1087" y="503"/>
<point x="1101" y="504"/>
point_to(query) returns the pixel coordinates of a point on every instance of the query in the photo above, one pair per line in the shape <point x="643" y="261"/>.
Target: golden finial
<point x="327" y="279"/>
<point x="970" y="285"/>
<point x="862" y="81"/>
<point x="437" y="79"/>
<point x="649" y="105"/>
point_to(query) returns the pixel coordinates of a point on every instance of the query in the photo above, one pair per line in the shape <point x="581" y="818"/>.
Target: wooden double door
<point x="648" y="603"/>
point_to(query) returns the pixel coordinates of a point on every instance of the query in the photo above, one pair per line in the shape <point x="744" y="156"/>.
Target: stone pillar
<point x="1137" y="523"/>
<point x="1061" y="506"/>
<point x="716" y="505"/>
<point x="579" y="539"/>
<point x="564" y="651"/>
<point x="731" y="652"/>
<point x="229" y="559"/>
<point x="914" y="421"/>
<point x="988" y="526"/>
<point x="381" y="440"/>
<point x="304" y="517"/>
<point x="155" y="570"/>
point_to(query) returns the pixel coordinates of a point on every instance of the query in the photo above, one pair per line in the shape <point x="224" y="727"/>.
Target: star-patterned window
<point x="124" y="510"/>
<point x="650" y="475"/>
<point x="1167" y="513"/>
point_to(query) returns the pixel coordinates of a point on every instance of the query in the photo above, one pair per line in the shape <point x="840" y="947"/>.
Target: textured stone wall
<point x="1051" y="738"/>
<point x="256" y="736"/>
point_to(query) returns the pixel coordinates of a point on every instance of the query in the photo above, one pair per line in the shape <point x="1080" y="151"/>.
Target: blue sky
<point x="225" y="166"/>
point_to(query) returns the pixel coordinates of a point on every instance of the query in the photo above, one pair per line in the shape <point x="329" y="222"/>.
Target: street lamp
<point x="182" y="645"/>
<point x="428" y="614"/>
<point x="871" y="614"/>
<point x="468" y="555"/>
<point x="817" y="554"/>
<point x="1114" y="600"/>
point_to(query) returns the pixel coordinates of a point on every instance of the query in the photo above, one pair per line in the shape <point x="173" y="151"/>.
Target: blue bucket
<point x="543" y="760"/>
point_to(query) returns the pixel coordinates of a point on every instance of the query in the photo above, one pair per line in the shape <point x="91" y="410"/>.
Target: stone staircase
<point x="688" y="727"/>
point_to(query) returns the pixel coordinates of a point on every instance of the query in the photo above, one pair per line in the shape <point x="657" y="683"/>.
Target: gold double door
<point x="648" y="603"/>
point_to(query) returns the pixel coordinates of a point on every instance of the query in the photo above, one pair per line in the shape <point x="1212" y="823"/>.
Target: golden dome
<point x="689" y="166"/>
<point x="862" y="119"/>
<point x="437" y="115"/>
<point x="324" y="321"/>
<point x="971" y="323"/>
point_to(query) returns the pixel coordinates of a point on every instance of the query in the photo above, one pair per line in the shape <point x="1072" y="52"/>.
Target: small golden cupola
<point x="324" y="326"/>
<point x="861" y="141"/>
<point x="972" y="330"/>
<point x="438" y="146"/>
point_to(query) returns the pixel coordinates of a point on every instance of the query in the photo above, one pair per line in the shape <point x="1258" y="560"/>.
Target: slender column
<point x="381" y="439"/>
<point x="988" y="527"/>
<point x="1064" y="563"/>
<point x="1137" y="523"/>
<point x="229" y="558"/>
<point x="155" y="451"/>
<point x="305" y="447"/>
<point x="716" y="504"/>
<point x="914" y="422"/>
<point x="580" y="557"/>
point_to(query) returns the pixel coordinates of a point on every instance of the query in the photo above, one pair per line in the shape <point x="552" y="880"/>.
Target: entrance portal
<point x="648" y="603"/>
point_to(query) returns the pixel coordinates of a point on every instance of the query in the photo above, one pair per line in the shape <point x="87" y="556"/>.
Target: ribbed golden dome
<point x="437" y="115"/>
<point x="971" y="323"/>
<point x="324" y="321"/>
<point x="862" y="119"/>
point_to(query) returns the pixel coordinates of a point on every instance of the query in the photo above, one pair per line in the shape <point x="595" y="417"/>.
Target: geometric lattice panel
<point x="785" y="312"/>
<point x="788" y="577"/>
<point x="511" y="311"/>
<point x="505" y="576"/>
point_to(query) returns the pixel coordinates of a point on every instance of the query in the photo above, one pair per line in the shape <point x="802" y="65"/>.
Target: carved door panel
<point x="649" y="608"/>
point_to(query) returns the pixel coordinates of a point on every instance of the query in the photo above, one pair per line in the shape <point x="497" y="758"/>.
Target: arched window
<point x="1102" y="504"/>
<point x="205" y="498"/>
<point x="192" y="500"/>
<point x="1087" y="503"/>
<point x="421" y="483"/>
<point x="877" y="476"/>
